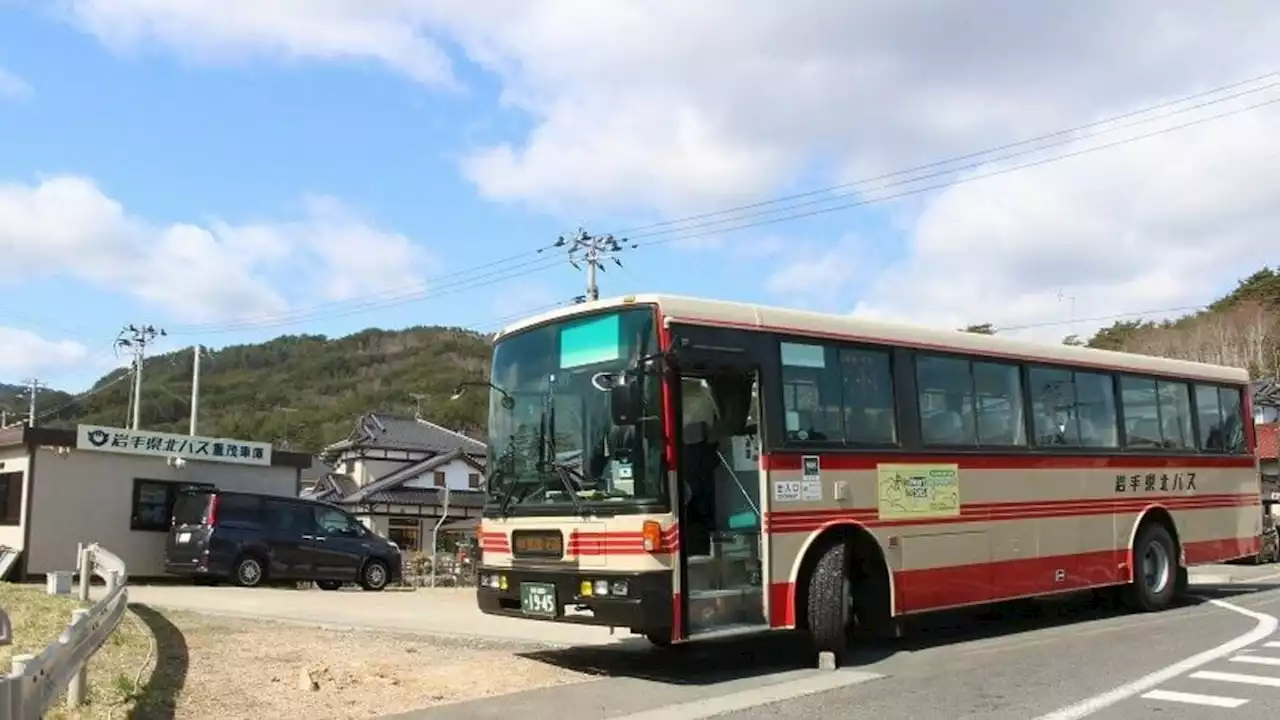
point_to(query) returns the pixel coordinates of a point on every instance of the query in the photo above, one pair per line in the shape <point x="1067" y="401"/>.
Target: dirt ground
<point x="213" y="667"/>
<point x="180" y="664"/>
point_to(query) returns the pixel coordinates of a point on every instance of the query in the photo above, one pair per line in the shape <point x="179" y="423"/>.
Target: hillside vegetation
<point x="329" y="383"/>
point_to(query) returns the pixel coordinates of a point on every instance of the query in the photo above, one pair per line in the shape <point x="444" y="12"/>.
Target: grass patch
<point x="38" y="619"/>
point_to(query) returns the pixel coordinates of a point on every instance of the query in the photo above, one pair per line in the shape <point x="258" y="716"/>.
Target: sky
<point x="235" y="170"/>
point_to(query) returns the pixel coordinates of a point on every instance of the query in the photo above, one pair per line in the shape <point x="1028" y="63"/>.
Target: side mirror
<point x="626" y="401"/>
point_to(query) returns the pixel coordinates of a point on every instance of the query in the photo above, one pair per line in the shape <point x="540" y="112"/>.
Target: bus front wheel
<point x="1155" y="570"/>
<point x="830" y="600"/>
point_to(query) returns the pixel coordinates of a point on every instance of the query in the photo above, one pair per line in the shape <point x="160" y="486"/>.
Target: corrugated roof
<point x="396" y="478"/>
<point x="420" y="496"/>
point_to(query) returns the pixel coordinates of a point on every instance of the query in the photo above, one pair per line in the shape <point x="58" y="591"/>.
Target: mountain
<point x="308" y="389"/>
<point x="13" y="403"/>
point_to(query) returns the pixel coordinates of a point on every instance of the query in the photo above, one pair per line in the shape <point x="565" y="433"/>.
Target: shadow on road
<point x="717" y="661"/>
<point x="159" y="697"/>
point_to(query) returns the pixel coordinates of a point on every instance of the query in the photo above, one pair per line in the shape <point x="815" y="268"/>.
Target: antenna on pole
<point x="288" y="411"/>
<point x="593" y="251"/>
<point x="136" y="338"/>
<point x="417" y="404"/>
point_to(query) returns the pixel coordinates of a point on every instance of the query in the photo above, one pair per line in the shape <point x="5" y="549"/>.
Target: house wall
<point x="14" y="459"/>
<point x="87" y="496"/>
<point x="456" y="476"/>
<point x="376" y="463"/>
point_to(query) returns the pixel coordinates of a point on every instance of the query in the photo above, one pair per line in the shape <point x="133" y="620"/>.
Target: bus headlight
<point x="618" y="587"/>
<point x="494" y="581"/>
<point x="603" y="588"/>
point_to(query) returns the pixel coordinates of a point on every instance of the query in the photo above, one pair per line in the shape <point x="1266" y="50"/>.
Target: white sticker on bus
<point x="797" y="490"/>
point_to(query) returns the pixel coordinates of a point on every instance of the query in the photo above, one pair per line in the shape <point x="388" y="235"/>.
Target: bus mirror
<point x="625" y="400"/>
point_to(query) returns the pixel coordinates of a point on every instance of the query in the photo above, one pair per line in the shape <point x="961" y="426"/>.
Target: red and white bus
<point x="691" y="468"/>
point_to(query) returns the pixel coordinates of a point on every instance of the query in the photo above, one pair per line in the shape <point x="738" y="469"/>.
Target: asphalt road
<point x="1063" y="660"/>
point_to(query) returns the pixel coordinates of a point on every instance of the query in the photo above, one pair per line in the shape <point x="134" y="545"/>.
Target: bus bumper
<point x="646" y="605"/>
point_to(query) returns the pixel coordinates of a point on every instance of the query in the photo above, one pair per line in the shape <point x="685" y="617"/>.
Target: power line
<point x="979" y="153"/>
<point x="1103" y="318"/>
<point x="957" y="181"/>
<point x="447" y="288"/>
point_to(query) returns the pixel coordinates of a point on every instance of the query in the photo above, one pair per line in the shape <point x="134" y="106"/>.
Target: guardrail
<point x="36" y="681"/>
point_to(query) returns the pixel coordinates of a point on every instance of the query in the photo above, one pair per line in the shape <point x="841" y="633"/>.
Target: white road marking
<point x="1257" y="660"/>
<point x="755" y="697"/>
<point x="1265" y="627"/>
<point x="1195" y="699"/>
<point x="1262" y="680"/>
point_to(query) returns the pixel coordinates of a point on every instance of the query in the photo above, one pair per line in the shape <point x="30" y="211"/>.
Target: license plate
<point x="538" y="599"/>
<point x="184" y="537"/>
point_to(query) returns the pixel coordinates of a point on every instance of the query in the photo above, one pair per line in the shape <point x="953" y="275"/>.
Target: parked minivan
<point x="248" y="539"/>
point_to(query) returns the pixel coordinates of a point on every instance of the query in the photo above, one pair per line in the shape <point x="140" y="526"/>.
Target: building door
<point x="406" y="533"/>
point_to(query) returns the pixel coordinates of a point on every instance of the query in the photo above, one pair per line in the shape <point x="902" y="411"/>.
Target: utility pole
<point x="417" y="404"/>
<point x="593" y="250"/>
<point x="287" y="412"/>
<point x="195" y="386"/>
<point x="136" y="338"/>
<point x="34" y="388"/>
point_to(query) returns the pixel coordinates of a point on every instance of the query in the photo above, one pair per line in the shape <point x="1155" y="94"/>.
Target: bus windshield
<point x="551" y="439"/>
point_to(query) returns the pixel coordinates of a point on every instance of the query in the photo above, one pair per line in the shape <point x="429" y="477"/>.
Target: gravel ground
<point x="219" y="668"/>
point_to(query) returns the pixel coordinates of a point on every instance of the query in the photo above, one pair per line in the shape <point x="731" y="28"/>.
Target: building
<point x="392" y="472"/>
<point x="1268" y="439"/>
<point x="116" y="487"/>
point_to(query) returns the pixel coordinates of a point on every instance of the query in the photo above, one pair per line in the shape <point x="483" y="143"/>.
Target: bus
<point x="688" y="468"/>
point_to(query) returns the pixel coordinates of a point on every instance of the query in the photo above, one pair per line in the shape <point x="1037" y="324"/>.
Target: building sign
<point x="161" y="444"/>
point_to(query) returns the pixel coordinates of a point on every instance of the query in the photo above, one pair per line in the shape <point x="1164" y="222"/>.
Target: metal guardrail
<point x="36" y="681"/>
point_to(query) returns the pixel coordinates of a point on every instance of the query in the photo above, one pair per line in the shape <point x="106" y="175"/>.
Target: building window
<point x="152" y="504"/>
<point x="970" y="403"/>
<point x="1073" y="409"/>
<point x="10" y="498"/>
<point x="837" y="396"/>
<point x="439" y="478"/>
<point x="473" y="481"/>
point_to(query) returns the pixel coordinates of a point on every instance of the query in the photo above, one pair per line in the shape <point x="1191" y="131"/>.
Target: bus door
<point x="721" y="561"/>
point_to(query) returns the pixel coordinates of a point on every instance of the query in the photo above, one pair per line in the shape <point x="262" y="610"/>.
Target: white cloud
<point x="66" y="226"/>
<point x="27" y="354"/>
<point x="224" y="30"/>
<point x="12" y="87"/>
<point x="819" y="273"/>
<point x="1163" y="223"/>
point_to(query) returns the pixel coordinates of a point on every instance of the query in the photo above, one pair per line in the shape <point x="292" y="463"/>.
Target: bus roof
<point x="835" y="326"/>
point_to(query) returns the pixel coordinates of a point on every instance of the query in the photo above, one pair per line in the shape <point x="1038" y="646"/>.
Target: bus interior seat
<point x="1145" y="432"/>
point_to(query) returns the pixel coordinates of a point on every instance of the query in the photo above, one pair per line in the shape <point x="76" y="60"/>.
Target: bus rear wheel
<point x="830" y="602"/>
<point x="1155" y="570"/>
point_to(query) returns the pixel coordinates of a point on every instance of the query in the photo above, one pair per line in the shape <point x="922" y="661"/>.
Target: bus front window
<point x="553" y="443"/>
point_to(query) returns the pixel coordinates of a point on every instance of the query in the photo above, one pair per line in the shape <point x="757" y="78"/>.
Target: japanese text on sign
<point x="1156" y="482"/>
<point x="911" y="491"/>
<point x="159" y="444"/>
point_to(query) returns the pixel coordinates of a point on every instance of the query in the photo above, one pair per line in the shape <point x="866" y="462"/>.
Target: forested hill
<point x="309" y="386"/>
<point x="1241" y="329"/>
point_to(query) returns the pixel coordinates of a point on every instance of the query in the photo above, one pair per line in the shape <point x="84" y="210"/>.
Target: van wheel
<point x="328" y="584"/>
<point x="1155" y="570"/>
<point x="248" y="572"/>
<point x="374" y="576"/>
<point x="830" y="595"/>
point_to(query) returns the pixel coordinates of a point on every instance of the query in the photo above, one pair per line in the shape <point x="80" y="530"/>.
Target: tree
<point x="1073" y="340"/>
<point x="983" y="329"/>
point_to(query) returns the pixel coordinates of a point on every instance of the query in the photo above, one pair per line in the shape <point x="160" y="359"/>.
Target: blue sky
<point x="179" y="142"/>
<point x="233" y="170"/>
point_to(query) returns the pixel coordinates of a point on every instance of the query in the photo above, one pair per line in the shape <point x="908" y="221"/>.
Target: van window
<point x="191" y="508"/>
<point x="335" y="522"/>
<point x="289" y="516"/>
<point x="238" y="509"/>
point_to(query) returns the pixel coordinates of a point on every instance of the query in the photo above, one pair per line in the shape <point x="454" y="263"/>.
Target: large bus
<point x="689" y="468"/>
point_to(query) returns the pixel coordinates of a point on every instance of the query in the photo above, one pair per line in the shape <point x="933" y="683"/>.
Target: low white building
<point x="116" y="487"/>
<point x="392" y="471"/>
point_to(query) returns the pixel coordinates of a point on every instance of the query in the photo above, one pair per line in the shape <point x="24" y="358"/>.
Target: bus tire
<point x="829" y="602"/>
<point x="659" y="638"/>
<point x="1155" y="570"/>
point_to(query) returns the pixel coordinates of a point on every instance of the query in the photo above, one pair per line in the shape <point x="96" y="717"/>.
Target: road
<point x="1047" y="661"/>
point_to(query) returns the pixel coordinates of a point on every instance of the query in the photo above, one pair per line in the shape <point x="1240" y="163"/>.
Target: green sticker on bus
<point x="591" y="341"/>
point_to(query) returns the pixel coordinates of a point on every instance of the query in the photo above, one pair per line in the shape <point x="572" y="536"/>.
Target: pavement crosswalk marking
<point x="1256" y="660"/>
<point x="1242" y="679"/>
<point x="1195" y="699"/>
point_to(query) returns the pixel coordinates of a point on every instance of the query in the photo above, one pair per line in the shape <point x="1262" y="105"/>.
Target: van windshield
<point x="191" y="508"/>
